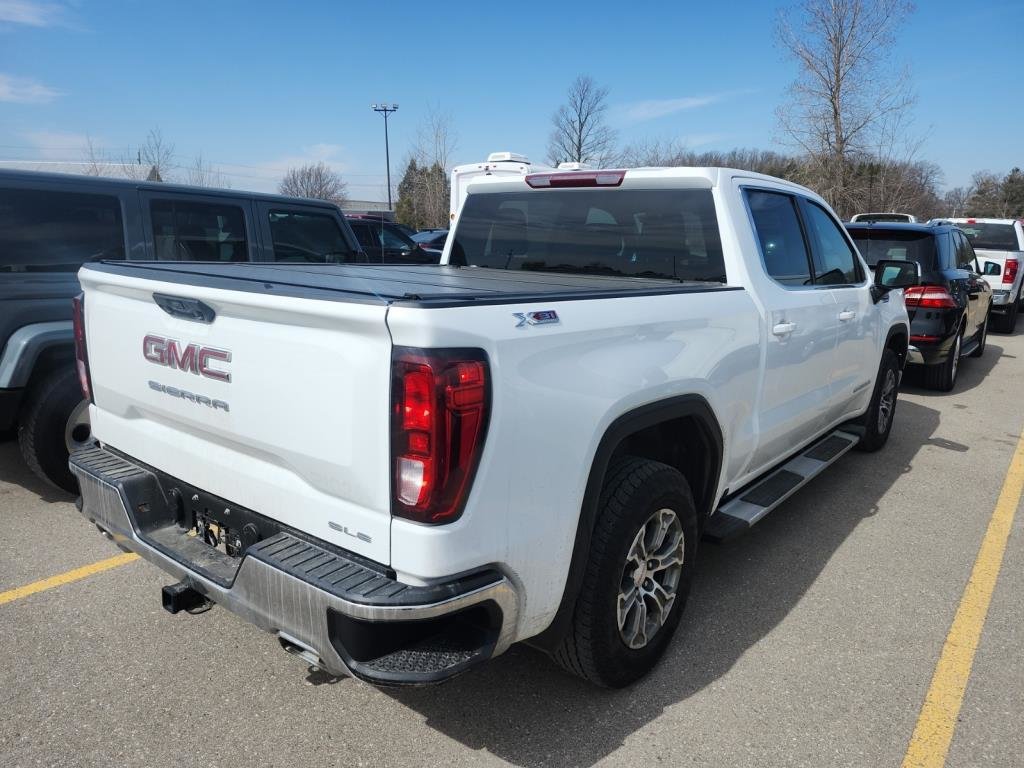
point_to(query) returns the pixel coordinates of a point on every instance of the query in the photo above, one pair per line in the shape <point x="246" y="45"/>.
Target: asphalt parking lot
<point x="812" y="641"/>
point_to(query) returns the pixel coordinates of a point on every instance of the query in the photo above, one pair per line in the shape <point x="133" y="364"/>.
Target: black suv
<point x="949" y="310"/>
<point x="50" y="224"/>
<point x="385" y="243"/>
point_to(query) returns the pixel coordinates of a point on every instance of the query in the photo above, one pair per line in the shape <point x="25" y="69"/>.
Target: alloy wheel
<point x="650" y="578"/>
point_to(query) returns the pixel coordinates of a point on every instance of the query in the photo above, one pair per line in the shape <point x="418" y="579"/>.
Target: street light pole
<point x="386" y="109"/>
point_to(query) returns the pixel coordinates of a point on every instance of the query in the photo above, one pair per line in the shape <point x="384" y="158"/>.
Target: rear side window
<point x="193" y="231"/>
<point x="835" y="262"/>
<point x="991" y="237"/>
<point x="666" y="234"/>
<point x="782" y="242"/>
<point x="307" y="237"/>
<point x="47" y="231"/>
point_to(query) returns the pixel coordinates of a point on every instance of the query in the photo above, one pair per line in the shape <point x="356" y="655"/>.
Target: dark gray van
<point x="50" y="224"/>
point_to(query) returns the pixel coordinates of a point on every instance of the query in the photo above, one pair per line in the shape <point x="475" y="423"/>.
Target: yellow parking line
<point x="930" y="743"/>
<point x="67" y="577"/>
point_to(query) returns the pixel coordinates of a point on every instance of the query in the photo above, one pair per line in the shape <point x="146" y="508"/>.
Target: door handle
<point x="847" y="314"/>
<point x="782" y="329"/>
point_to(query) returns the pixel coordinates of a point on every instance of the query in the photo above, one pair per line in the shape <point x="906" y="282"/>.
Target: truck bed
<point x="422" y="286"/>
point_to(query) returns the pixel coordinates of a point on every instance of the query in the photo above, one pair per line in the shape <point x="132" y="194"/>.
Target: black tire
<point x="41" y="428"/>
<point x="635" y="491"/>
<point x="982" y="337"/>
<point x="877" y="421"/>
<point x="942" y="377"/>
<point x="1008" y="322"/>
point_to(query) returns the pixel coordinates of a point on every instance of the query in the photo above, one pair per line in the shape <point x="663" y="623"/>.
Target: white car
<point x="999" y="245"/>
<point x="400" y="471"/>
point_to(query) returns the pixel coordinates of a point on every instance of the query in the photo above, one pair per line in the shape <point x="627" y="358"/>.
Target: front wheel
<point x="877" y="422"/>
<point x="638" y="574"/>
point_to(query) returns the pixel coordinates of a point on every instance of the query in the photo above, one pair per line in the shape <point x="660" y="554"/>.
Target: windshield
<point x="668" y="234"/>
<point x="878" y="244"/>
<point x="992" y="237"/>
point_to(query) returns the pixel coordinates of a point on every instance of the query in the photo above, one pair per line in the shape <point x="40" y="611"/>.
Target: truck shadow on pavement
<point x="15" y="471"/>
<point x="524" y="709"/>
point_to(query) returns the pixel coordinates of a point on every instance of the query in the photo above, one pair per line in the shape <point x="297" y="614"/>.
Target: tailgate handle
<point x="185" y="308"/>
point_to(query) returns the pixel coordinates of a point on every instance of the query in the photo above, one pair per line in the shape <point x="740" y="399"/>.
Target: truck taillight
<point x="928" y="297"/>
<point x="440" y="403"/>
<point x="1010" y="271"/>
<point x="81" y="354"/>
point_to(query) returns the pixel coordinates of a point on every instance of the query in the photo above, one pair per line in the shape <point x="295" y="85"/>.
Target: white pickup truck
<point x="400" y="471"/>
<point x="999" y="246"/>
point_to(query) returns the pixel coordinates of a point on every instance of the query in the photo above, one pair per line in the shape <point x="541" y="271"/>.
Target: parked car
<point x="999" y="244"/>
<point x="385" y="243"/>
<point x="902" y="218"/>
<point x="431" y="240"/>
<point x="387" y="217"/>
<point x="51" y="224"/>
<point x="402" y="472"/>
<point x="949" y="311"/>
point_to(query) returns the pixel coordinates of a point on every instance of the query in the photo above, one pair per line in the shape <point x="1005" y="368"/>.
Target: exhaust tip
<point x="181" y="597"/>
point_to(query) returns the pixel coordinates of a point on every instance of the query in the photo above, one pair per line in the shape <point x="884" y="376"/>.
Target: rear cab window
<point x="991" y="237"/>
<point x="52" y="231"/>
<point x="661" y="234"/>
<point x="185" y="230"/>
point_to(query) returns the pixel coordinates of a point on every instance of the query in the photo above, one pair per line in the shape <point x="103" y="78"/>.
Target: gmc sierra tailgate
<point x="277" y="403"/>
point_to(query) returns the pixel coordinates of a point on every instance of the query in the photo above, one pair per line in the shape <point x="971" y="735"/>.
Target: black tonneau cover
<point x="426" y="286"/>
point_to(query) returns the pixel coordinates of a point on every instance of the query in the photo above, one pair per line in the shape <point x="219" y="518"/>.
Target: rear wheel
<point x="637" y="577"/>
<point x="877" y="422"/>
<point x="1009" y="320"/>
<point x="54" y="422"/>
<point x="982" y="338"/>
<point x="943" y="376"/>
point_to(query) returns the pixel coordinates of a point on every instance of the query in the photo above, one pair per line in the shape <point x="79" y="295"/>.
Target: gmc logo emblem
<point x="191" y="358"/>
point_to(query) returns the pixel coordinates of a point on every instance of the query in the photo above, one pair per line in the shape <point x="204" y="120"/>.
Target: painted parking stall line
<point x="936" y="723"/>
<point x="67" y="577"/>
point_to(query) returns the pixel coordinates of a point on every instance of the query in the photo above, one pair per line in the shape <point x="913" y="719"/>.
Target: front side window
<point x="47" y="231"/>
<point x="782" y="241"/>
<point x="193" y="231"/>
<point x="835" y="261"/>
<point x="662" y="234"/>
<point x="307" y="237"/>
<point x="365" y="235"/>
<point x="394" y="240"/>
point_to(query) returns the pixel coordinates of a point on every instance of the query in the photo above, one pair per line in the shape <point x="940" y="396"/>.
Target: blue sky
<point x="256" y="87"/>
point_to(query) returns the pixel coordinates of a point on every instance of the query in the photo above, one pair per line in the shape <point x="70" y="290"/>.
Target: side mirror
<point x="991" y="268"/>
<point x="890" y="275"/>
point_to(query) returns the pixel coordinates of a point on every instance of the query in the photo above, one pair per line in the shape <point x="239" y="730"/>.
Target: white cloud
<point x="30" y="13"/>
<point x="641" y="111"/>
<point x="22" y="90"/>
<point x="57" y="145"/>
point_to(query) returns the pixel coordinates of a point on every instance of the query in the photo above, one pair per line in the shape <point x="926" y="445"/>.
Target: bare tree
<point x="314" y="180"/>
<point x="955" y="200"/>
<point x="203" y="174"/>
<point x="96" y="161"/>
<point x="153" y="160"/>
<point x="426" y="185"/>
<point x="579" y="133"/>
<point x="849" y="101"/>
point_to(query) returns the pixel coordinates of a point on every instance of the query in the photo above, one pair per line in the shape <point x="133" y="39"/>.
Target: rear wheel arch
<point x="649" y="432"/>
